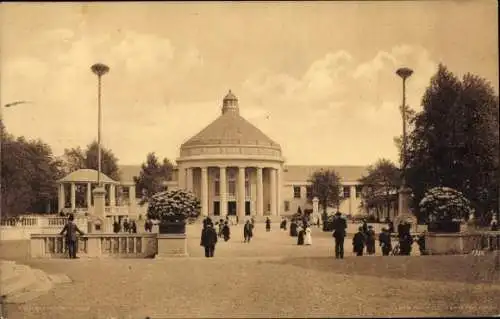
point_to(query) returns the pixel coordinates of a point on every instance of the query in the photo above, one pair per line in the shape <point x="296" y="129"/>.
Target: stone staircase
<point x="21" y="283"/>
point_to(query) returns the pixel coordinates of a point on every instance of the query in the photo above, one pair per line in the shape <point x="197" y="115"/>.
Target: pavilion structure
<point x="87" y="179"/>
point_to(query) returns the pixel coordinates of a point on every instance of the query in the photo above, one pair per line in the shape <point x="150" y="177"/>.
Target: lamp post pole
<point x="404" y="192"/>
<point x="99" y="69"/>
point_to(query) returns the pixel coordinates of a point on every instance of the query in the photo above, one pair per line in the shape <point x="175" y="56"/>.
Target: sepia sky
<point x="316" y="77"/>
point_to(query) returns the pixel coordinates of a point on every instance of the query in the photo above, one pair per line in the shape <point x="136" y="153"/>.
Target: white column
<point x="352" y="200"/>
<point x="131" y="195"/>
<point x="204" y="191"/>
<point x="89" y="195"/>
<point x="181" y="177"/>
<point x="272" y="189"/>
<point x="278" y="191"/>
<point x="260" y="192"/>
<point x="61" y="197"/>
<point x="189" y="179"/>
<point x="73" y="196"/>
<point x="241" y="193"/>
<point x="223" y="191"/>
<point x="112" y="195"/>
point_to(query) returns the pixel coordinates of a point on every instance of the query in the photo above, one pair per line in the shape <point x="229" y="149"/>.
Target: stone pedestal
<point x="99" y="202"/>
<point x="449" y="244"/>
<point x="172" y="245"/>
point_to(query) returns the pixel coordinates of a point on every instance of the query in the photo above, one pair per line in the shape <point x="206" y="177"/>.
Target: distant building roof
<point x="86" y="176"/>
<point x="304" y="172"/>
<point x="292" y="173"/>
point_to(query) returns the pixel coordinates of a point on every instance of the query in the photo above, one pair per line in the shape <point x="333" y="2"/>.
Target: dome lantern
<point x="230" y="103"/>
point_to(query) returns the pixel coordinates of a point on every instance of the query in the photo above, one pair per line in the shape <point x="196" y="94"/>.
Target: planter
<point x="444" y="227"/>
<point x="169" y="227"/>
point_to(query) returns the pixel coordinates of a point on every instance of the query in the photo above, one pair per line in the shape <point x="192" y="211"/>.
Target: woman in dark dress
<point x="293" y="228"/>
<point x="300" y="237"/>
<point x="226" y="231"/>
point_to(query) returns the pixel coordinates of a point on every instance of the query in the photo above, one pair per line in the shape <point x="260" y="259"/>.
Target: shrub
<point x="173" y="204"/>
<point x="444" y="204"/>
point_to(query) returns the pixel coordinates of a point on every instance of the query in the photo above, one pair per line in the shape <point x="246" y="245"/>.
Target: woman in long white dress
<point x="307" y="237"/>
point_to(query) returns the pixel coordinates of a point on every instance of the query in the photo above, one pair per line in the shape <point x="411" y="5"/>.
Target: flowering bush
<point x="173" y="203"/>
<point x="444" y="204"/>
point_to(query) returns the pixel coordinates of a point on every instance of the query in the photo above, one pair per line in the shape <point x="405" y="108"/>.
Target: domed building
<point x="232" y="166"/>
<point x="236" y="170"/>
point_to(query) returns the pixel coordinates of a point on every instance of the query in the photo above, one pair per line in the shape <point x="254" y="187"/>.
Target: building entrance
<point x="231" y="208"/>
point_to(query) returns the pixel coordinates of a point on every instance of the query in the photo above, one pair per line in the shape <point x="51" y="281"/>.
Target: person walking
<point x="358" y="242"/>
<point x="208" y="239"/>
<point x="70" y="230"/>
<point x="370" y="241"/>
<point x="247" y="231"/>
<point x="339" y="233"/>
<point x="307" y="236"/>
<point x="268" y="224"/>
<point x="300" y="235"/>
<point x="226" y="232"/>
<point x="384" y="239"/>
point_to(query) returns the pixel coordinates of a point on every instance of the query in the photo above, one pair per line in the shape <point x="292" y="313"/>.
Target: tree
<point x="76" y="158"/>
<point x="381" y="183"/>
<point x="455" y="141"/>
<point x="29" y="176"/>
<point x="152" y="177"/>
<point x="326" y="186"/>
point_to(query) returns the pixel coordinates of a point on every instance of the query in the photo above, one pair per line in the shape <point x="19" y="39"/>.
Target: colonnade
<point x="112" y="194"/>
<point x="240" y="194"/>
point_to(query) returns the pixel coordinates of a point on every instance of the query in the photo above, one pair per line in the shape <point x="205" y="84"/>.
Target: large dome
<point x="229" y="134"/>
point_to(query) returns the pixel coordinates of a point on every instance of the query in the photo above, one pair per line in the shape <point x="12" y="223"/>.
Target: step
<point x="38" y="288"/>
<point x="24" y="279"/>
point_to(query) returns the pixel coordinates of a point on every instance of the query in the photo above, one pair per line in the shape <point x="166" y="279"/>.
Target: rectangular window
<point x="287" y="206"/>
<point x="232" y="188"/>
<point x="309" y="191"/>
<point x="359" y="190"/>
<point x="217" y="188"/>
<point x="347" y="191"/>
<point x="296" y="192"/>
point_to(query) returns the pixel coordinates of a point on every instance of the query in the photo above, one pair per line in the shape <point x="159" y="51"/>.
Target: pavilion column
<point x="112" y="195"/>
<point x="241" y="193"/>
<point x="131" y="195"/>
<point x="204" y="191"/>
<point x="223" y="190"/>
<point x="278" y="191"/>
<point x="73" y="196"/>
<point x="352" y="200"/>
<point x="272" y="189"/>
<point x="62" y="197"/>
<point x="260" y="192"/>
<point x="89" y="195"/>
<point x="189" y="179"/>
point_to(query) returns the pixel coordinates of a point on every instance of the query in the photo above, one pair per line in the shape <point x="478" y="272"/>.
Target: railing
<point x="484" y="241"/>
<point x="96" y="245"/>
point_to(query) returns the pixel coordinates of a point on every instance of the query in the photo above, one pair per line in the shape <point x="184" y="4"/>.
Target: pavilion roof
<point x="85" y="175"/>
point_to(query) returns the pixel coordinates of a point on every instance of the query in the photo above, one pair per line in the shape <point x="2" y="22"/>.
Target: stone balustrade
<point x="463" y="242"/>
<point x="96" y="245"/>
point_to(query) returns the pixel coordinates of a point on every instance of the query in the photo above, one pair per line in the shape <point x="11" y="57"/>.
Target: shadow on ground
<point x="463" y="269"/>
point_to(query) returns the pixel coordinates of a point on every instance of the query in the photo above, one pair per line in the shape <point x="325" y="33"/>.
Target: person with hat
<point x="339" y="233"/>
<point x="70" y="230"/>
<point x="208" y="239"/>
<point x="385" y="243"/>
<point x="370" y="241"/>
<point x="358" y="242"/>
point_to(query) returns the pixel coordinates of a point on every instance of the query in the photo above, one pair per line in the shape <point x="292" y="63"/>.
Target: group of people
<point x="302" y="230"/>
<point x="127" y="226"/>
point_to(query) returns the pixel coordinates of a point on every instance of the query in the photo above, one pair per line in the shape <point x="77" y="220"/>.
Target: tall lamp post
<point x="99" y="192"/>
<point x="99" y="69"/>
<point x="404" y="191"/>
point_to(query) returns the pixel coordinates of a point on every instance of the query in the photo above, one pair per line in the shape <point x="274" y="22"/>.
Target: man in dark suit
<point x="339" y="233"/>
<point x="71" y="229"/>
<point x="208" y="239"/>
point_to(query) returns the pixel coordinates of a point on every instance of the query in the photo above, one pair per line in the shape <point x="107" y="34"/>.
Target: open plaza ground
<point x="269" y="277"/>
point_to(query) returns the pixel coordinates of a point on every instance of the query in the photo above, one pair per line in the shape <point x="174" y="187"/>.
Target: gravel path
<point x="270" y="277"/>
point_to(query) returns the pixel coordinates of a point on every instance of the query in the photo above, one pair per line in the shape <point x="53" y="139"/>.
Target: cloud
<point x="341" y="106"/>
